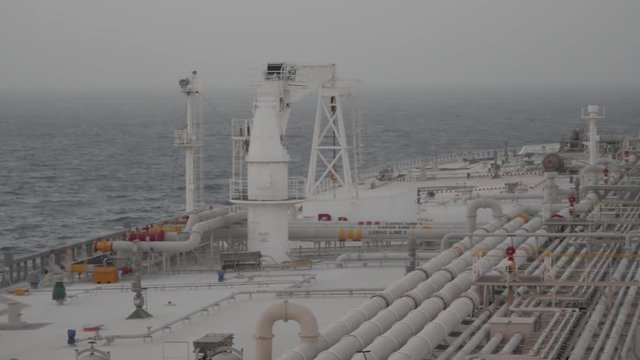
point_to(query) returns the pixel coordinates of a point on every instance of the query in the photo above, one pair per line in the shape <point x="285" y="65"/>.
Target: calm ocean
<point x="75" y="166"/>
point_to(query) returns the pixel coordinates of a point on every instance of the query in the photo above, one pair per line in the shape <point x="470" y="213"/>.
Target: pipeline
<point x="284" y="311"/>
<point x="470" y="330"/>
<point x="479" y="336"/>
<point x="597" y="314"/>
<point x="172" y="246"/>
<point x="432" y="334"/>
<point x="330" y="231"/>
<point x="481" y="203"/>
<point x="611" y="315"/>
<point x="447" y="319"/>
<point x="630" y="334"/>
<point x="492" y="344"/>
<point x="512" y="344"/>
<point x="457" y="281"/>
<point x="203" y="216"/>
<point x="354" y="318"/>
<point x="381" y="257"/>
<point x="615" y="333"/>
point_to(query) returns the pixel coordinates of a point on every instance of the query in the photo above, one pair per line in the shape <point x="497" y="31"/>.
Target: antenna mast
<point x="190" y="138"/>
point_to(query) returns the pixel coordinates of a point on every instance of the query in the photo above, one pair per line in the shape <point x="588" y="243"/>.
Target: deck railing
<point x="457" y="156"/>
<point x="14" y="270"/>
<point x="239" y="190"/>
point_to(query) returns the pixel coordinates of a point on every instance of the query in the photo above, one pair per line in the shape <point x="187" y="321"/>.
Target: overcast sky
<point x="106" y="44"/>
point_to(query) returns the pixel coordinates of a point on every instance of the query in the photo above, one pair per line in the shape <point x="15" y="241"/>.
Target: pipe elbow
<point x="284" y="311"/>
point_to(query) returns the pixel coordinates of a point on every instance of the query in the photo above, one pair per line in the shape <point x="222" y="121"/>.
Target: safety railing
<point x="239" y="191"/>
<point x="434" y="159"/>
<point x="14" y="270"/>
<point x="181" y="138"/>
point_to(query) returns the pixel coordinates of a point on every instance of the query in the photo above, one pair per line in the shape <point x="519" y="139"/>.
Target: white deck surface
<point x="110" y="308"/>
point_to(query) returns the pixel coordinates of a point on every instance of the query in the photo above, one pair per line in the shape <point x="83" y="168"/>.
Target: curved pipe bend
<point x="284" y="311"/>
<point x="482" y="203"/>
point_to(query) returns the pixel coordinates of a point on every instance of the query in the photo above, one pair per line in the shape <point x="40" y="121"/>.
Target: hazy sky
<point x="141" y="44"/>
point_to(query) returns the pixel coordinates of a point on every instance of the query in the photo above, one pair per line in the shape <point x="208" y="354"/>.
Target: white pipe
<point x="380" y="257"/>
<point x="614" y="335"/>
<point x="512" y="344"/>
<point x="354" y="318"/>
<point x="563" y="330"/>
<point x="426" y="340"/>
<point x="630" y="334"/>
<point x="397" y="335"/>
<point x="284" y="311"/>
<point x="181" y="246"/>
<point x="482" y="203"/>
<point x="611" y="311"/>
<point x="402" y="308"/>
<point x="479" y="336"/>
<point x="546" y="332"/>
<point x="517" y="196"/>
<point x="492" y="344"/>
<point x="321" y="231"/>
<point x="481" y="319"/>
<point x="598" y="312"/>
<point x="634" y="234"/>
<point x="305" y="231"/>
<point x="204" y="215"/>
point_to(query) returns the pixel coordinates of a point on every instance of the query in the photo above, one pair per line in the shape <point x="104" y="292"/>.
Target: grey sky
<point x="140" y="44"/>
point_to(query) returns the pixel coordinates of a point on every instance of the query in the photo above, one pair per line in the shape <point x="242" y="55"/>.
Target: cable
<point x="224" y="117"/>
<point x="171" y="183"/>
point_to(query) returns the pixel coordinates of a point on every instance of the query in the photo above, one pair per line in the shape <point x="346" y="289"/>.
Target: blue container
<point x="220" y="276"/>
<point x="71" y="336"/>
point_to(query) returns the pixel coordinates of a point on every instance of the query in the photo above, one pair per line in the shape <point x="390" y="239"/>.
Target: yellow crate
<point x="19" y="291"/>
<point x="78" y="268"/>
<point x="105" y="274"/>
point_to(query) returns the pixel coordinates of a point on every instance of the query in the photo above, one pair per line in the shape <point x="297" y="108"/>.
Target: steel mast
<point x="190" y="138"/>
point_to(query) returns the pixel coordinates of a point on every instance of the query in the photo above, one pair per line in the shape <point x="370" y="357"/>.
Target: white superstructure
<point x="268" y="192"/>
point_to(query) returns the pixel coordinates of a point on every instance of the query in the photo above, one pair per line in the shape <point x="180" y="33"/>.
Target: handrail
<point x="62" y="249"/>
<point x="150" y="331"/>
<point x="436" y="158"/>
